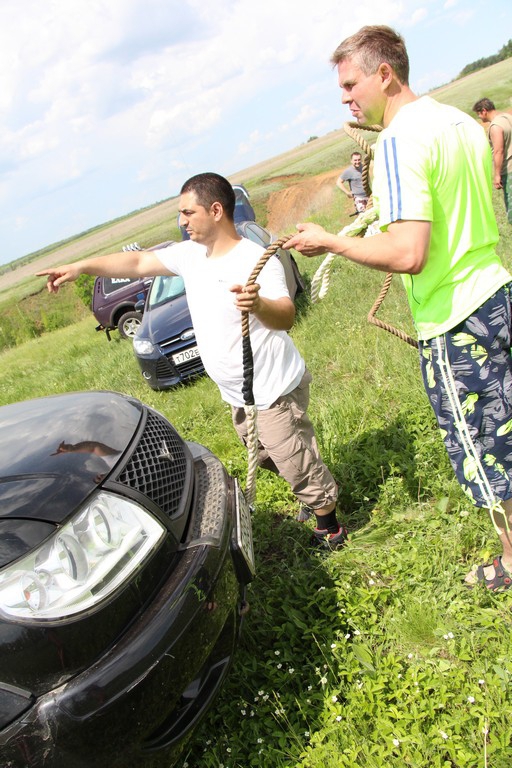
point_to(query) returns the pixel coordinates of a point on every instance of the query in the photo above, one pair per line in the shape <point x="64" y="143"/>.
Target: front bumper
<point x="161" y="373"/>
<point x="138" y="703"/>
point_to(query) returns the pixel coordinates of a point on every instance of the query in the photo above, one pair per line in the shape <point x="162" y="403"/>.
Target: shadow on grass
<point x="401" y="463"/>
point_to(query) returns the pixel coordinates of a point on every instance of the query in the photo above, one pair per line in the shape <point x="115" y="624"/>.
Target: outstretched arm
<point x="276" y="314"/>
<point x="402" y="248"/>
<point x="123" y="264"/>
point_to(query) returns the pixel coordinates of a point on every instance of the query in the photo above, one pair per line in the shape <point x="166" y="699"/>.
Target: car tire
<point x="128" y="324"/>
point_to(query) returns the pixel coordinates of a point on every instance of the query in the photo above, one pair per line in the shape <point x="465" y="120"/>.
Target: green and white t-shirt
<point x="433" y="163"/>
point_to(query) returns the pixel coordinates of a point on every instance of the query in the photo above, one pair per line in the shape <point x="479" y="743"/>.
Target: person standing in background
<point x="351" y="182"/>
<point x="500" y="138"/>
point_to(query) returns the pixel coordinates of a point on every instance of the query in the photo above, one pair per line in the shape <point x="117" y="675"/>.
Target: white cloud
<point x="114" y="102"/>
<point x="419" y="15"/>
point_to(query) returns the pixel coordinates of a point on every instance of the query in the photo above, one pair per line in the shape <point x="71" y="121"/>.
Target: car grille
<point x="158" y="466"/>
<point x="164" y="368"/>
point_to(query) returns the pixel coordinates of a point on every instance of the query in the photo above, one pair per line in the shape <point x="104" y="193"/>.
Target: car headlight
<point x="143" y="346"/>
<point x="83" y="563"/>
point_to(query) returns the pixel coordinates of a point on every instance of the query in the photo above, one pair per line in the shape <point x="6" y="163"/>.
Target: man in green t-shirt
<point x="432" y="189"/>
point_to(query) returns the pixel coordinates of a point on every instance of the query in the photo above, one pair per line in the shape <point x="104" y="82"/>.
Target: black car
<point x="165" y="344"/>
<point x="124" y="556"/>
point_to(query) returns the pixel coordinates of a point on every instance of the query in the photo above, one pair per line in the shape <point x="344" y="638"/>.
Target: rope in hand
<point x="248" y="379"/>
<point x="358" y="228"/>
<point x="319" y="287"/>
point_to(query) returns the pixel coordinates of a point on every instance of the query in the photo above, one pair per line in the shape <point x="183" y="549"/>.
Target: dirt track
<point x="299" y="200"/>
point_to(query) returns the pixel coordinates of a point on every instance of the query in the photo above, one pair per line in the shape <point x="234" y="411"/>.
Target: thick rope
<point x="354" y="131"/>
<point x="321" y="278"/>
<point x="251" y="411"/>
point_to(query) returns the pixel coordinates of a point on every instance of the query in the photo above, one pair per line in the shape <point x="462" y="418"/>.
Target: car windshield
<point x="165" y="288"/>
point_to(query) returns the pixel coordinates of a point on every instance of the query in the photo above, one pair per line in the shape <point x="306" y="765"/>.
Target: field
<point x="373" y="656"/>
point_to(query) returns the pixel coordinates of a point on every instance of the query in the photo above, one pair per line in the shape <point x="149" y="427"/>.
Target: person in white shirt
<point x="215" y="263"/>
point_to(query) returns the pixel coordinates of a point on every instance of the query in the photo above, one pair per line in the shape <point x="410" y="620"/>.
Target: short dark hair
<point x="372" y="46"/>
<point x="211" y="188"/>
<point x="355" y="154"/>
<point x="482" y="104"/>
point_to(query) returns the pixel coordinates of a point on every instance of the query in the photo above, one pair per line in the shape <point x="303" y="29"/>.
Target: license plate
<point x="185" y="355"/>
<point x="243" y="544"/>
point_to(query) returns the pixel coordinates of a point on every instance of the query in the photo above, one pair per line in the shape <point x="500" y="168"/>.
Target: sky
<point x="108" y="106"/>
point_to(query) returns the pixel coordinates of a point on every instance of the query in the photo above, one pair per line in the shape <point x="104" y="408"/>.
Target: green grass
<point x="375" y="656"/>
<point x="494" y="82"/>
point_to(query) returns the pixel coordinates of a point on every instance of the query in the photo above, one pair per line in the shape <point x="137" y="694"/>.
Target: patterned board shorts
<point x="467" y="374"/>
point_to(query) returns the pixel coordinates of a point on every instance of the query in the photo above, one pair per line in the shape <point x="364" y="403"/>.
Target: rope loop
<point x="321" y="278"/>
<point x="251" y="412"/>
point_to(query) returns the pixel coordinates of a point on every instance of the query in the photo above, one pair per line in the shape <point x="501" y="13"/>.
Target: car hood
<point x="166" y="321"/>
<point x="54" y="451"/>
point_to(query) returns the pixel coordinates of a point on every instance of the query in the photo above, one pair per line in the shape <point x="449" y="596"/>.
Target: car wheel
<point x="129" y="324"/>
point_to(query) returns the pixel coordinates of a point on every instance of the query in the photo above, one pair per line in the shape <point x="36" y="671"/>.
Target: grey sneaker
<point x="304" y="513"/>
<point x="322" y="538"/>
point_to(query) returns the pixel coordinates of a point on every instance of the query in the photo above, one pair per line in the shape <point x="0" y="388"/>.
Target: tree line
<point x="504" y="53"/>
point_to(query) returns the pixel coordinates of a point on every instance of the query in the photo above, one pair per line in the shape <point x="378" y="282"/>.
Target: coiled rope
<point x="359" y="228"/>
<point x="248" y="379"/>
<point x="319" y="286"/>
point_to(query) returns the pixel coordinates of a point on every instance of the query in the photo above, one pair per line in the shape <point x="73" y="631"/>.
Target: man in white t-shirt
<point x="215" y="263"/>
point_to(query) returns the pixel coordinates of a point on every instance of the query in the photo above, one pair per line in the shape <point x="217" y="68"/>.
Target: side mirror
<point x="139" y="306"/>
